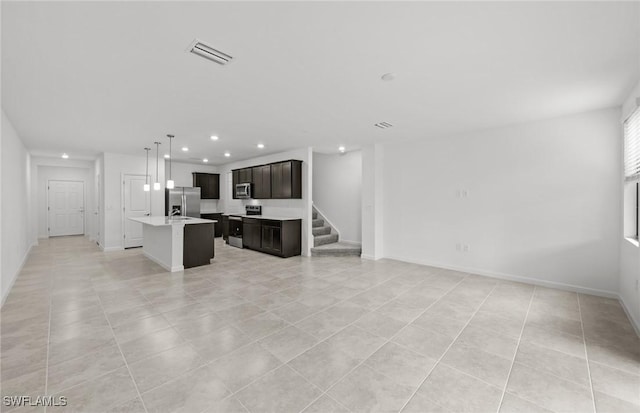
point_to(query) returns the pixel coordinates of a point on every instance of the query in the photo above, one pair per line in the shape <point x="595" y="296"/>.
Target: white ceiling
<point x="87" y="77"/>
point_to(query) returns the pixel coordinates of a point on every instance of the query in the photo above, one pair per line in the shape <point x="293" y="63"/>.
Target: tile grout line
<point x="135" y="385"/>
<point x="255" y="341"/>
<point x="586" y="355"/>
<point x="581" y="320"/>
<point x="321" y="341"/>
<point x="515" y="353"/>
<point x="449" y="346"/>
<point x="46" y="377"/>
<point x="386" y="342"/>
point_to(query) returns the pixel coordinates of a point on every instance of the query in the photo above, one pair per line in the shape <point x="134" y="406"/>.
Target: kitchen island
<point x="179" y="242"/>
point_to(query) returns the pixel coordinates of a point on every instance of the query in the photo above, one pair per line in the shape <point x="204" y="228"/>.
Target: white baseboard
<point x="111" y="249"/>
<point x="350" y="242"/>
<point x="162" y="264"/>
<point x="511" y="277"/>
<point x="634" y="322"/>
<point x="370" y="257"/>
<point x="5" y="294"/>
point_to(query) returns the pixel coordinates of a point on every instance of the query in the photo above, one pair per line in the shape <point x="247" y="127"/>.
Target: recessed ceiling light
<point x="341" y="148"/>
<point x="185" y="149"/>
<point x="388" y="77"/>
<point x="261" y="146"/>
<point x="167" y="156"/>
<point x="205" y="160"/>
<point x="227" y="154"/>
<point x="214" y="138"/>
<point x="65" y="156"/>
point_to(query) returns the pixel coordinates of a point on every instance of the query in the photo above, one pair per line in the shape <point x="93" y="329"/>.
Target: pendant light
<point x="170" y="183"/>
<point x="146" y="186"/>
<point x="156" y="184"/>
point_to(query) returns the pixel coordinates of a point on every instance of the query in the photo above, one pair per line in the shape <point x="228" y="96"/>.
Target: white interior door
<point x="66" y="208"/>
<point x="136" y="204"/>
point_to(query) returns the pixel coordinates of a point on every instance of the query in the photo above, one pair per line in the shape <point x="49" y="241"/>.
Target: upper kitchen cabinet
<point x="240" y="176"/>
<point x="261" y="182"/>
<point x="209" y="185"/>
<point x="286" y="180"/>
<point x="278" y="180"/>
<point x="245" y="175"/>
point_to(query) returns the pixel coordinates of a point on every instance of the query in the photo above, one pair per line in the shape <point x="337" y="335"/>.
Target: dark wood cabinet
<point x="272" y="237"/>
<point x="279" y="180"/>
<point x="209" y="185"/>
<point x="235" y="179"/>
<point x="225" y="227"/>
<point x="251" y="233"/>
<point x="218" y="225"/>
<point x="275" y="237"/>
<point x="261" y="182"/>
<point x="240" y="176"/>
<point x="286" y="180"/>
<point x="198" y="245"/>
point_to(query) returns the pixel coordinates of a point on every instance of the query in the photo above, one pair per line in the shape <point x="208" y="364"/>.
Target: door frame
<point x="84" y="206"/>
<point x="122" y="205"/>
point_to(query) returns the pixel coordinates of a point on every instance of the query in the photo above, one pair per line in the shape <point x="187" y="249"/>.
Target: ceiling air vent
<point x="208" y="52"/>
<point x="383" y="125"/>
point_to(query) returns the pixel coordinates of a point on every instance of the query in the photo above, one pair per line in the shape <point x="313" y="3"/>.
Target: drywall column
<point x="372" y="200"/>
<point x="307" y="196"/>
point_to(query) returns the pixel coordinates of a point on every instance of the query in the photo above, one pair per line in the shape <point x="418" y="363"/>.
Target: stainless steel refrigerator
<point x="183" y="201"/>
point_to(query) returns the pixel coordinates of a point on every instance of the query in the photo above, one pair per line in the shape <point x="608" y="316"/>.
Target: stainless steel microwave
<point x="243" y="191"/>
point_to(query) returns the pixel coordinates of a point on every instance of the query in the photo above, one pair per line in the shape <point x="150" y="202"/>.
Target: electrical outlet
<point x="465" y="248"/>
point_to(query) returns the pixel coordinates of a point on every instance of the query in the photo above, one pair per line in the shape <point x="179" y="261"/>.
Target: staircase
<point x="326" y="243"/>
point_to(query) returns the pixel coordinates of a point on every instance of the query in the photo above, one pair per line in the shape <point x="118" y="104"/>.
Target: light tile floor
<point x="114" y="332"/>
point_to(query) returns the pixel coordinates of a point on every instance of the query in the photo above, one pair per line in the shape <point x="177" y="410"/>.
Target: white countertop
<point x="164" y="221"/>
<point x="270" y="217"/>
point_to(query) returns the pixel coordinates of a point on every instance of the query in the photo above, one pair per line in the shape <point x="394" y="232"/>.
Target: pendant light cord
<point x="170" y="154"/>
<point x="146" y="177"/>
<point x="157" y="159"/>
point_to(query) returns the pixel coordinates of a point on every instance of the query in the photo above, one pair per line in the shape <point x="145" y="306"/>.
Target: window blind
<point x="632" y="146"/>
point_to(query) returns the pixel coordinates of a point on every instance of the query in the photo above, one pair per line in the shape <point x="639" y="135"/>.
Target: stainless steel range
<point x="235" y="224"/>
<point x="253" y="209"/>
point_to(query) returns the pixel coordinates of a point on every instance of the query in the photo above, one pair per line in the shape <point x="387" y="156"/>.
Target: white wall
<point x="337" y="191"/>
<point x="543" y="201"/>
<point x="16" y="204"/>
<point x="297" y="208"/>
<point x="114" y="167"/>
<point x="181" y="174"/>
<point x="373" y="202"/>
<point x="630" y="253"/>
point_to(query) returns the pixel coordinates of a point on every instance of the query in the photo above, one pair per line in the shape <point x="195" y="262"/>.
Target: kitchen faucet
<point x="174" y="212"/>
